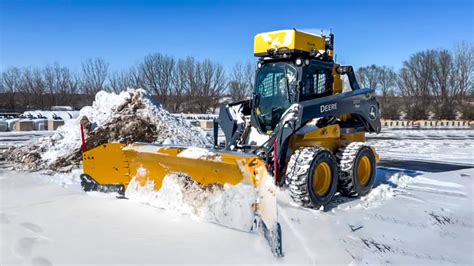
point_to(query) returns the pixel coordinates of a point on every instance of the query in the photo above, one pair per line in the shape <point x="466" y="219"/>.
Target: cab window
<point x="317" y="83"/>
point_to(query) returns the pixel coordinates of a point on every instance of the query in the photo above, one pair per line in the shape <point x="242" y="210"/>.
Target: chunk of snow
<point x="227" y="205"/>
<point x="400" y="180"/>
<point x="199" y="153"/>
<point x="377" y="196"/>
<point x="145" y="148"/>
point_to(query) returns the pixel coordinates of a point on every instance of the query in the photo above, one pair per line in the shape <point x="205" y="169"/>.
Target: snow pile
<point x="383" y="192"/>
<point x="230" y="206"/>
<point x="377" y="196"/>
<point x="131" y="116"/>
<point x="68" y="180"/>
<point x="400" y="180"/>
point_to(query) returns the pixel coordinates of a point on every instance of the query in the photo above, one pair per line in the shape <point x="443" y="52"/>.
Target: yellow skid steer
<point x="311" y="136"/>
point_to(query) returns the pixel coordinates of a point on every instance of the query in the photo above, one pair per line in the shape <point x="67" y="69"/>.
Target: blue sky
<point x="36" y="33"/>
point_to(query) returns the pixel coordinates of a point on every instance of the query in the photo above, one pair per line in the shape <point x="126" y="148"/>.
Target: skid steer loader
<point x="299" y="131"/>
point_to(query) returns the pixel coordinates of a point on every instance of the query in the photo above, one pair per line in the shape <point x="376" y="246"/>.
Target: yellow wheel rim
<point x="322" y="179"/>
<point x="364" y="170"/>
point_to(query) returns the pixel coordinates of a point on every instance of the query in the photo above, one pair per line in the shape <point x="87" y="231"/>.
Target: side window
<point x="317" y="84"/>
<point x="320" y="82"/>
<point x="266" y="87"/>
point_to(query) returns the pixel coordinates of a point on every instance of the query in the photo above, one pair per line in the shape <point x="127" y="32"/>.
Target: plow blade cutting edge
<point x="111" y="167"/>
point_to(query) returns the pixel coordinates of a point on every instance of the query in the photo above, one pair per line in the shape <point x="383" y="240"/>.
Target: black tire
<point x="349" y="159"/>
<point x="300" y="175"/>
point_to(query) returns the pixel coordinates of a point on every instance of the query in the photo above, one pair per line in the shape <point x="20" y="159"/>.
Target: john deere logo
<point x="372" y="112"/>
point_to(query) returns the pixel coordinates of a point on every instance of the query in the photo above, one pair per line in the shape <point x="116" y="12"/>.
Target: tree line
<point x="180" y="85"/>
<point x="432" y="83"/>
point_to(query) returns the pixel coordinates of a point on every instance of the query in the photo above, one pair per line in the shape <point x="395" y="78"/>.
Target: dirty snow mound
<point x="131" y="116"/>
<point x="230" y="206"/>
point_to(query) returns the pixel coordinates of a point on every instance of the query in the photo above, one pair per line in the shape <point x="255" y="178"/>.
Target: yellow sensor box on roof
<point x="287" y="40"/>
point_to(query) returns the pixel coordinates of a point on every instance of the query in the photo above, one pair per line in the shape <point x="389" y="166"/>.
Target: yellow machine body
<point x="329" y="137"/>
<point x="287" y="40"/>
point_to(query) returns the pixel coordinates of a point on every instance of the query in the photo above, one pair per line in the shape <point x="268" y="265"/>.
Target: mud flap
<point x="89" y="184"/>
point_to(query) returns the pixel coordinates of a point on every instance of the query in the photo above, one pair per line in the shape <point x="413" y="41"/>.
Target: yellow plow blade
<point x="113" y="166"/>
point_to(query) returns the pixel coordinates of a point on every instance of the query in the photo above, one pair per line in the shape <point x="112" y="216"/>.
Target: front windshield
<point x="272" y="85"/>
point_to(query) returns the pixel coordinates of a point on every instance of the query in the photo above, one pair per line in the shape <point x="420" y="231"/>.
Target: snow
<point x="230" y="206"/>
<point x="117" y="115"/>
<point x="43" y="222"/>
<point x="410" y="217"/>
<point x="377" y="196"/>
<point x="199" y="153"/>
<point x="453" y="146"/>
<point x="143" y="147"/>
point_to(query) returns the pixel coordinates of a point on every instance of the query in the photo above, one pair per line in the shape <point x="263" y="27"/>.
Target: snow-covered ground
<point x="415" y="217"/>
<point x="20" y="137"/>
<point x="447" y="146"/>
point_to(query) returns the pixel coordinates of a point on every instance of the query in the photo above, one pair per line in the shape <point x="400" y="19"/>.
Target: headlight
<point x="299" y="62"/>
<point x="306" y="62"/>
<point x="260" y="65"/>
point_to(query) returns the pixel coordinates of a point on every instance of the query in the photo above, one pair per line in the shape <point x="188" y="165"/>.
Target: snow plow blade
<point x="111" y="167"/>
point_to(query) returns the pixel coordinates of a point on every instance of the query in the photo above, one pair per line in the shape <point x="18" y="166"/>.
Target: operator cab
<point x="290" y="74"/>
<point x="280" y="84"/>
<point x="272" y="91"/>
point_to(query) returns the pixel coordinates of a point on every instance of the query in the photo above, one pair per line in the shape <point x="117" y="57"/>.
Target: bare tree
<point x="33" y="87"/>
<point x="464" y="77"/>
<point x="50" y="81"/>
<point x="250" y="74"/>
<point x="119" y="81"/>
<point x="443" y="91"/>
<point x="387" y="81"/>
<point x="387" y="85"/>
<point x="157" y="73"/>
<point x="239" y="85"/>
<point x="60" y="83"/>
<point x="368" y="76"/>
<point x="11" y="83"/>
<point x="414" y="83"/>
<point x="135" y="79"/>
<point x="211" y="85"/>
<point x="68" y="84"/>
<point x="94" y="76"/>
<point x="183" y="80"/>
<point x="122" y="80"/>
